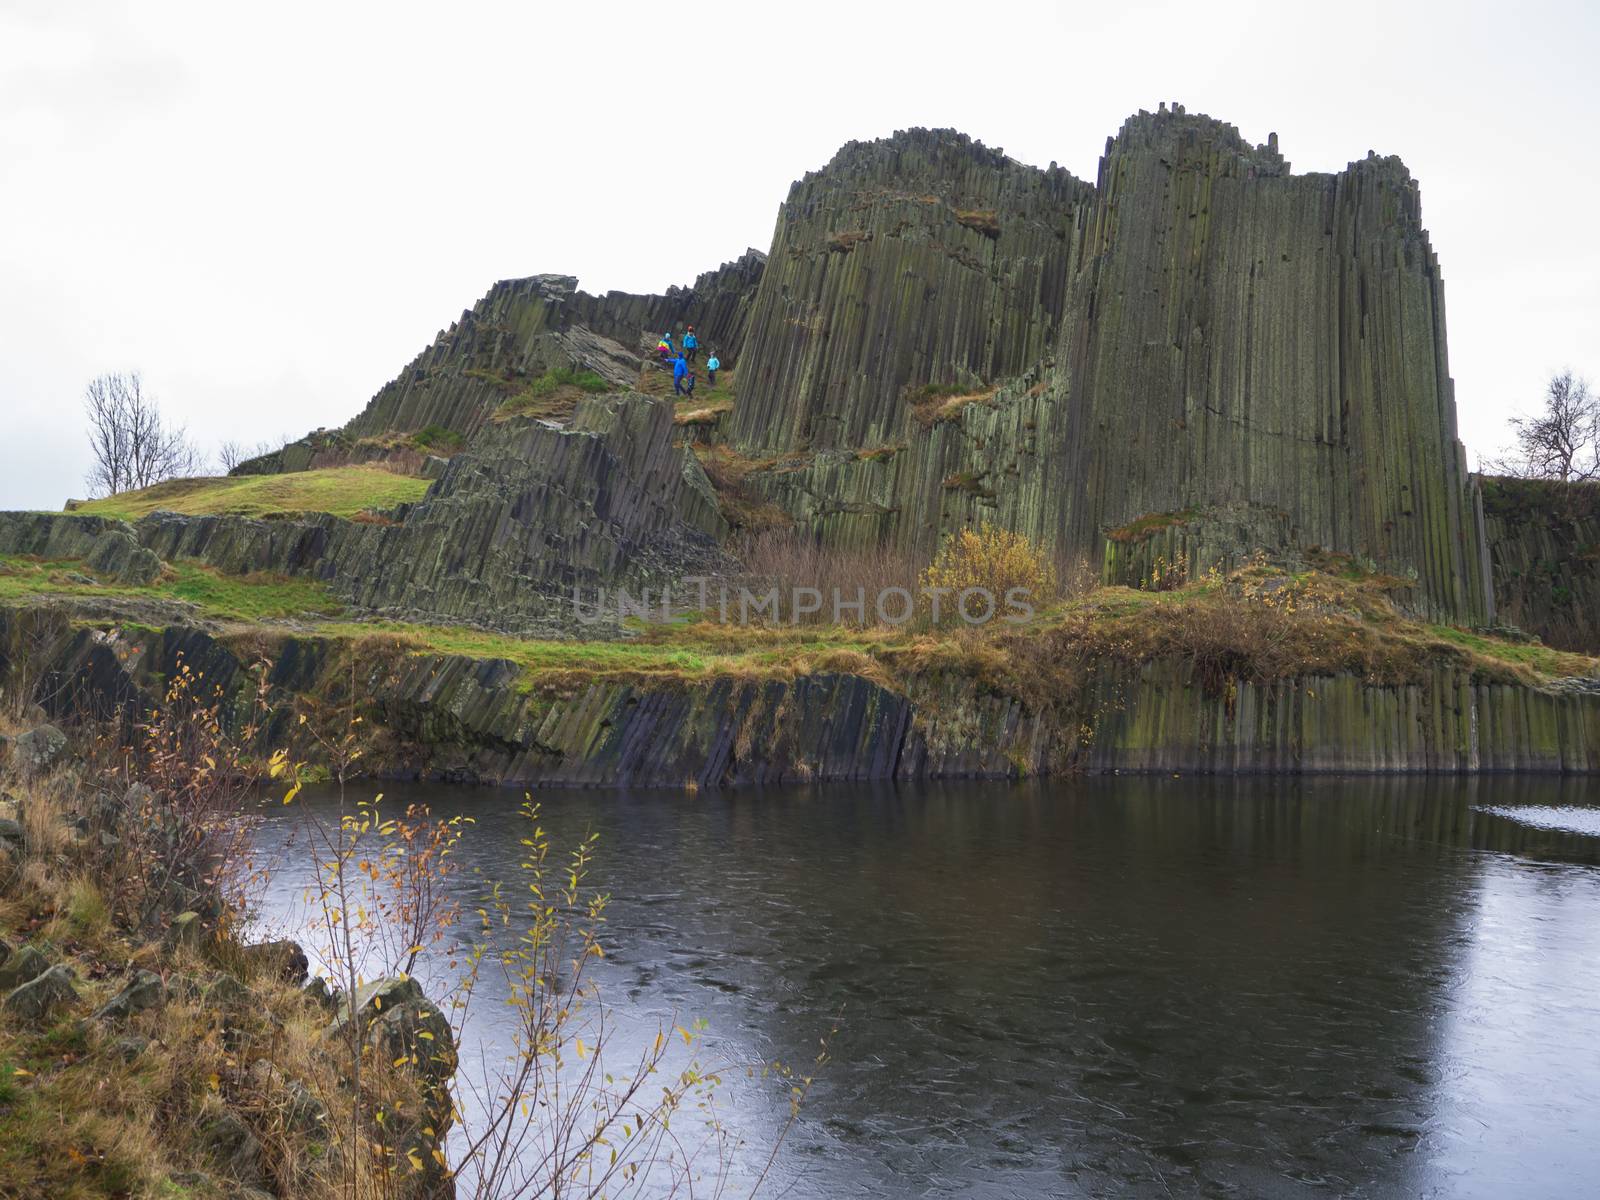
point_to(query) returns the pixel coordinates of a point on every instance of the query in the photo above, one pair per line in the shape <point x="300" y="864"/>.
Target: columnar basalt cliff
<point x="922" y="259"/>
<point x="1545" y="538"/>
<point x="1208" y="331"/>
<point x="1201" y="360"/>
<point x="529" y="514"/>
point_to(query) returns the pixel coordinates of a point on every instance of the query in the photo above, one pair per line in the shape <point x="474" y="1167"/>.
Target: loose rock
<point x="41" y="749"/>
<point x="144" y="991"/>
<point x="37" y="999"/>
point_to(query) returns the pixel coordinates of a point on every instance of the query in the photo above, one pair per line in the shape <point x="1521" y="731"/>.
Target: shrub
<point x="994" y="560"/>
<point x="437" y="437"/>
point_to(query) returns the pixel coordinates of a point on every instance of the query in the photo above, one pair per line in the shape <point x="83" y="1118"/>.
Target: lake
<point x="1103" y="987"/>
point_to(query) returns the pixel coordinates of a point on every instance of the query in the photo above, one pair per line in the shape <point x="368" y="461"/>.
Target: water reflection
<point x="1117" y="987"/>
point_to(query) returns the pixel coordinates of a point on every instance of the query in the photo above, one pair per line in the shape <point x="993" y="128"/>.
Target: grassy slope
<point x="226" y="597"/>
<point x="342" y="491"/>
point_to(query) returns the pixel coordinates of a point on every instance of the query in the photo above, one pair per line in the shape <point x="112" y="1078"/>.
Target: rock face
<point x="528" y="513"/>
<point x="922" y="259"/>
<point x="1210" y="331"/>
<point x="525" y="327"/>
<point x="1545" y="541"/>
<point x="457" y="717"/>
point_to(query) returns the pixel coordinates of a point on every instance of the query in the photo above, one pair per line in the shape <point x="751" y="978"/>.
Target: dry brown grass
<point x="985" y="220"/>
<point x="83" y="1113"/>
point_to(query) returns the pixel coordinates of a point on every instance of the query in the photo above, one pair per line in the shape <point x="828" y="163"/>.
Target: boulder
<point x="117" y="555"/>
<point x="282" y="960"/>
<point x="226" y="991"/>
<point x="379" y="996"/>
<point x="12" y="832"/>
<point x="41" y="749"/>
<point x="40" y="997"/>
<point x="21" y="966"/>
<point x="144" y="990"/>
<point x="231" y="1145"/>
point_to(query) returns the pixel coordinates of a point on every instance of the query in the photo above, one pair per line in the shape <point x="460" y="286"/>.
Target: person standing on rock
<point x="679" y="370"/>
<point x="712" y="364"/>
<point x="691" y="344"/>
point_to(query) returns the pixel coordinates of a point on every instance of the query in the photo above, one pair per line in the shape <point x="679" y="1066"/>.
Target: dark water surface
<point x="1121" y="987"/>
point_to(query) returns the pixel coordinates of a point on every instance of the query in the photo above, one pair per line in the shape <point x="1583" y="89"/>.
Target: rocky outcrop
<point x="1222" y="335"/>
<point x="922" y="259"/>
<point x="457" y="717"/>
<point x="524" y="328"/>
<point x="1544" y="539"/>
<point x="530" y="515"/>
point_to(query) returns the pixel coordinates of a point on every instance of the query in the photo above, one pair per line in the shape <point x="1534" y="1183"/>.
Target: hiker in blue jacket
<point x="691" y="344"/>
<point x="712" y="364"/>
<point x="679" y="370"/>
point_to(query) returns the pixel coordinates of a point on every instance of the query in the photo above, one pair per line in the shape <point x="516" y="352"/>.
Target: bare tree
<point x="1560" y="442"/>
<point x="133" y="445"/>
<point x="231" y="453"/>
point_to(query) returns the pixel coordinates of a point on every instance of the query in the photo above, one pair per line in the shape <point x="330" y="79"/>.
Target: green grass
<point x="1539" y="658"/>
<point x="257" y="597"/>
<point x="553" y="395"/>
<point x="341" y="491"/>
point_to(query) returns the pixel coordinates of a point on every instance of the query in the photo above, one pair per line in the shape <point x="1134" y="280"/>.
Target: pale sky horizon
<point x="270" y="212"/>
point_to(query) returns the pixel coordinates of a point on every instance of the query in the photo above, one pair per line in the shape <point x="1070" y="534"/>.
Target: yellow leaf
<point x="416" y="1162"/>
<point x="583" y="1051"/>
<point x="21" y="1072"/>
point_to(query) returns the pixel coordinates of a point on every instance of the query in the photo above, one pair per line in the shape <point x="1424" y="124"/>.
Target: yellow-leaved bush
<point x="992" y="560"/>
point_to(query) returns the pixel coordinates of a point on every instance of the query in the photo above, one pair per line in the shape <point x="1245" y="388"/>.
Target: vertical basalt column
<point x="922" y="259"/>
<point x="1241" y="335"/>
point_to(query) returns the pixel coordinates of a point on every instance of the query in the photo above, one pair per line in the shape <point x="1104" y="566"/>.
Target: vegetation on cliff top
<point x="1260" y="623"/>
<point x="254" y="597"/>
<point x="340" y="491"/>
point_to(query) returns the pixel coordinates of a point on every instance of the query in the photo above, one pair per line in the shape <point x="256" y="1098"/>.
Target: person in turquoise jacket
<point x="679" y="370"/>
<point x="691" y="344"/>
<point x="712" y="364"/>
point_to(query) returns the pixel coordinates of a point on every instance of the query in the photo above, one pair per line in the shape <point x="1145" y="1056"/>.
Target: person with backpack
<point x="712" y="364"/>
<point x="688" y="385"/>
<point x="691" y="344"/>
<point x="664" y="348"/>
<point x="679" y="370"/>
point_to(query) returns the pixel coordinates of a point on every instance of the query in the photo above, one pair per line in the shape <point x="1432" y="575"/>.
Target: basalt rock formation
<point x="1201" y="333"/>
<point x="1545" y="539"/>
<point x="1199" y="342"/>
<point x="923" y="259"/>
<point x="530" y="514"/>
<point x="520" y="330"/>
<point x="461" y="718"/>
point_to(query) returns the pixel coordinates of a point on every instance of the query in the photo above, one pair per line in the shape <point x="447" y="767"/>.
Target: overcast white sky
<point x="270" y="209"/>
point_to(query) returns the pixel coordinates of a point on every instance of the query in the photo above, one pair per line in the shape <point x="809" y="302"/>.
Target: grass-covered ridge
<point x="341" y="491"/>
<point x="256" y="597"/>
<point x="1259" y="624"/>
